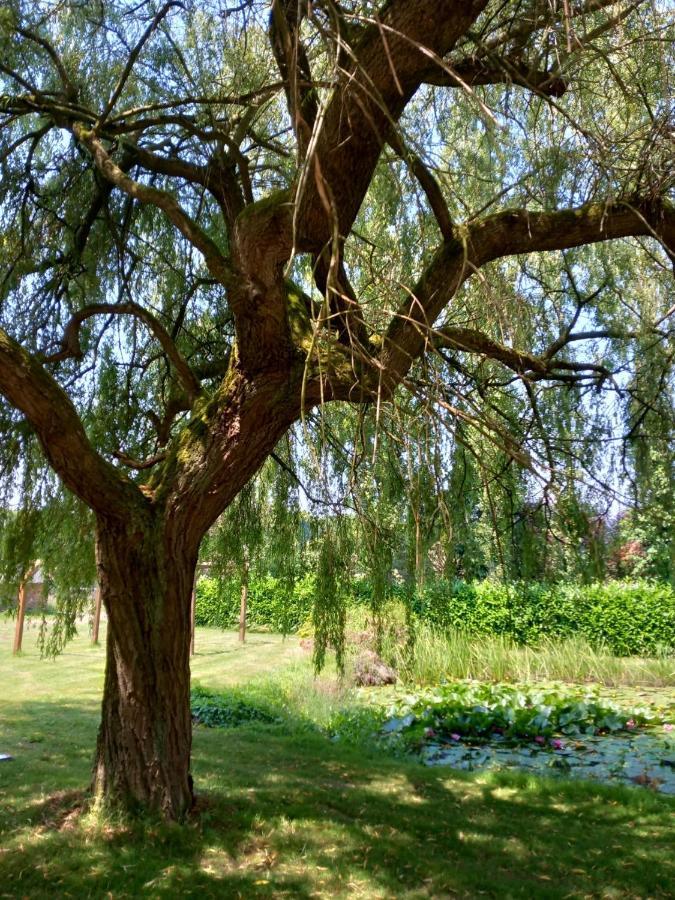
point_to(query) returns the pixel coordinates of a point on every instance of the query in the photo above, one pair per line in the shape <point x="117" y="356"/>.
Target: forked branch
<point x="217" y="264"/>
<point x="510" y="233"/>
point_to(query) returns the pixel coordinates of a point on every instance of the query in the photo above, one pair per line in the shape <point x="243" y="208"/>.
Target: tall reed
<point x="436" y="655"/>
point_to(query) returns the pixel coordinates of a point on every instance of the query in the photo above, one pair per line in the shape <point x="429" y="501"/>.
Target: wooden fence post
<point x="21" y="614"/>
<point x="244" y="597"/>
<point x="97" y="615"/>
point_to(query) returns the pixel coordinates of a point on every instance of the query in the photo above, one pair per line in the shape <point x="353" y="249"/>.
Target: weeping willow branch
<point x="33" y="391"/>
<point x="71" y="348"/>
<point x="217" y="264"/>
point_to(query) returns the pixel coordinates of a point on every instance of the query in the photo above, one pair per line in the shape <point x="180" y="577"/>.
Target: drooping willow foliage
<point x="53" y="534"/>
<point x="473" y="467"/>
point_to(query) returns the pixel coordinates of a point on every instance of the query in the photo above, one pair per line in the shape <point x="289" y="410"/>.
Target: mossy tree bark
<point x="146" y="558"/>
<point x="143" y="751"/>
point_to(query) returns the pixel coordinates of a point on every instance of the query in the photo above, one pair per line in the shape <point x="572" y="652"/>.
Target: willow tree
<point x="217" y="217"/>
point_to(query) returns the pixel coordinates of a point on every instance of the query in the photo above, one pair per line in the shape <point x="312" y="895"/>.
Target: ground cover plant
<point x="511" y="712"/>
<point x="283" y="810"/>
<point x="574" y="731"/>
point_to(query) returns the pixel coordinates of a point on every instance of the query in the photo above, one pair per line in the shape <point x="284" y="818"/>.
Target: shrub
<point x="226" y="709"/>
<point x="628" y="618"/>
<point x="269" y="604"/>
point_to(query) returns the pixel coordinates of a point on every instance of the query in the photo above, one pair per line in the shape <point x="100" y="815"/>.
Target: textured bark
<point x="388" y="67"/>
<point x="144" y="741"/>
<point x="146" y="562"/>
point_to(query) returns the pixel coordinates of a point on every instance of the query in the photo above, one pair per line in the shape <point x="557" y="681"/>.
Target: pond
<point x="553" y="729"/>
<point x="645" y="758"/>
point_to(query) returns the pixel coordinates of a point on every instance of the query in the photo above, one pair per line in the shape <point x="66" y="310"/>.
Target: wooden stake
<point x="97" y="615"/>
<point x="244" y="599"/>
<point x="21" y="615"/>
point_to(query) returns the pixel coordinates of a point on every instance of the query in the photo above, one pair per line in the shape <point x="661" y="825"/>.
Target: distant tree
<point x="217" y="218"/>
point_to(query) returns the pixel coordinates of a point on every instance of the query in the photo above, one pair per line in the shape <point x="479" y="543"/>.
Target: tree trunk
<point x="143" y="751"/>
<point x="419" y="552"/>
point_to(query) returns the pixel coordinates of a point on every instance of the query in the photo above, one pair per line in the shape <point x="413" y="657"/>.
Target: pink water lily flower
<point x="557" y="744"/>
<point x="631" y="723"/>
<point x="539" y="739"/>
<point x="455" y="737"/>
<point x="669" y="726"/>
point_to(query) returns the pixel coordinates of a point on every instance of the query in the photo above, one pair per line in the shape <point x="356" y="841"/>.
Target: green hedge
<point x="269" y="606"/>
<point x="629" y="618"/>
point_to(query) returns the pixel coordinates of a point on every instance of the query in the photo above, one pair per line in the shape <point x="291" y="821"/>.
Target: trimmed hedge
<point x="268" y="606"/>
<point x="628" y="618"/>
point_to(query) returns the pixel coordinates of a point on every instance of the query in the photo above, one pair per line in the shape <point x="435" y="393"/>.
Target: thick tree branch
<point x="139" y="464"/>
<point x="366" y="104"/>
<point x="541" y="16"/>
<point x="346" y="315"/>
<point x="470" y="340"/>
<point x="33" y="391"/>
<point x="506" y="234"/>
<point x="262" y="245"/>
<point x="475" y="71"/>
<point x="536" y="367"/>
<point x="285" y="21"/>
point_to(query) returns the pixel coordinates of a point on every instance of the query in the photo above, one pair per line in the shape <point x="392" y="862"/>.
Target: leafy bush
<point x="625" y="618"/>
<point x="269" y="604"/>
<point x="226" y="710"/>
<point x="628" y="618"/>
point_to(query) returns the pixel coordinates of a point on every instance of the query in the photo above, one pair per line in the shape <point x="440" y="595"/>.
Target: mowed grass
<point x="285" y="812"/>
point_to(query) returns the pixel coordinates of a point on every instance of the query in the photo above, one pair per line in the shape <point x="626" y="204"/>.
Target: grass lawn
<point x="284" y="813"/>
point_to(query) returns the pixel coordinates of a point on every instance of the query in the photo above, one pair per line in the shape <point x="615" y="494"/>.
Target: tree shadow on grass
<point x="292" y="814"/>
